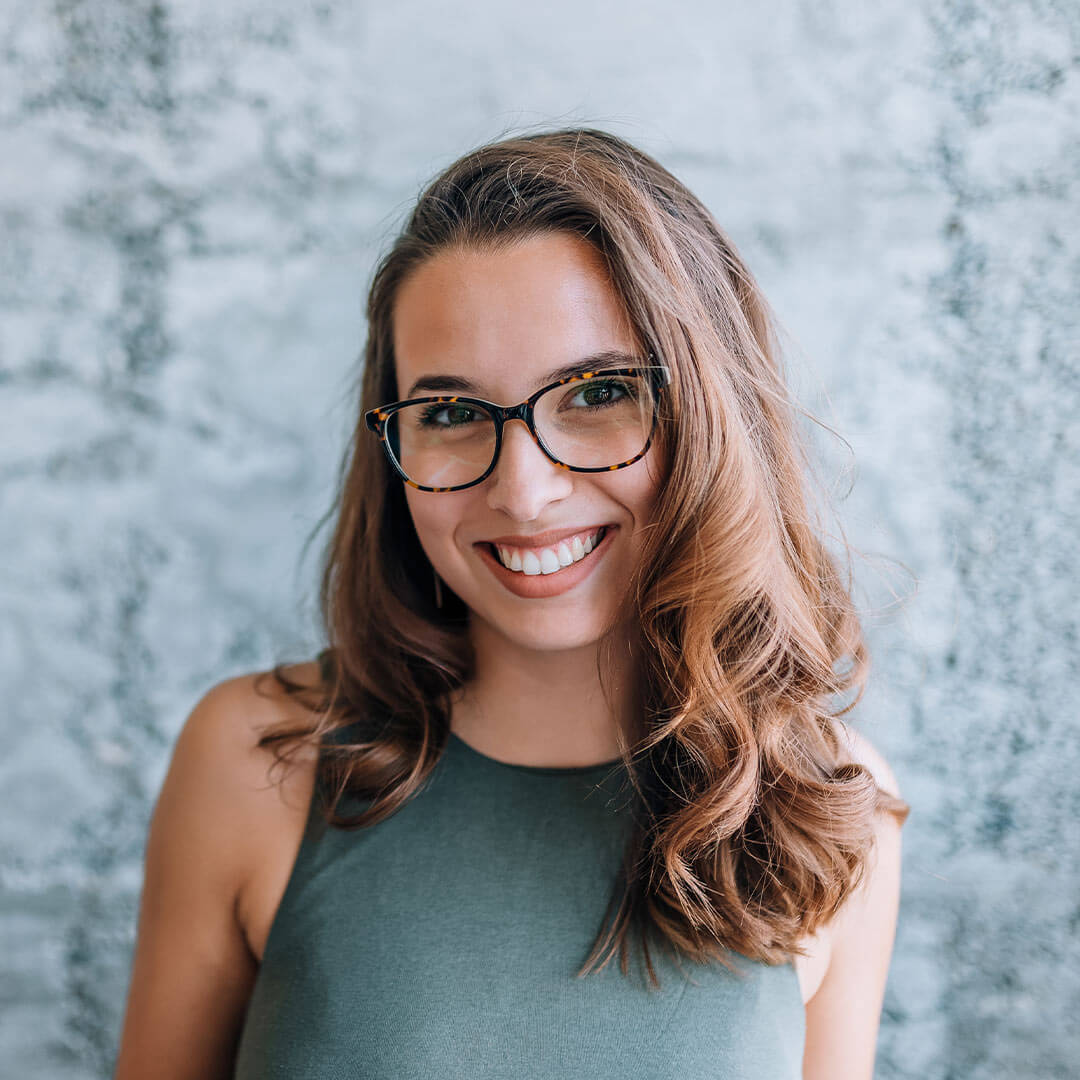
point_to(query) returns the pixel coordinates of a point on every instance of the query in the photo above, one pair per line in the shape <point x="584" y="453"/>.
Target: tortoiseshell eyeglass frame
<point x="658" y="375"/>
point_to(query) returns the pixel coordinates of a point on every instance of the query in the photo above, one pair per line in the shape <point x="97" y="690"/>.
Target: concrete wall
<point x="192" y="197"/>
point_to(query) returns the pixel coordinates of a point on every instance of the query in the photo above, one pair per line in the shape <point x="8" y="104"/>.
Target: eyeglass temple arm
<point x="663" y="376"/>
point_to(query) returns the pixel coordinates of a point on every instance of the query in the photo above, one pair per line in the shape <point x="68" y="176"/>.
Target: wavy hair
<point x="750" y="822"/>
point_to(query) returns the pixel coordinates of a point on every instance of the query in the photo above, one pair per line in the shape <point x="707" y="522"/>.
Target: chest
<point x="447" y="941"/>
<point x="282" y="840"/>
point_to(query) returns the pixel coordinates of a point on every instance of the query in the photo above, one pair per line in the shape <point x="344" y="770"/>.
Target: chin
<point x="559" y="632"/>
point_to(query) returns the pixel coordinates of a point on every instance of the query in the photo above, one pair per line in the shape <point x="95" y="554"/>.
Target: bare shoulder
<point x="221" y="737"/>
<point x="271" y="800"/>
<point x="812" y="968"/>
<point x="259" y="806"/>
<point x="863" y="752"/>
<point x="844" y="1012"/>
<point x="883" y="867"/>
<point x="211" y="837"/>
<point x="233" y="715"/>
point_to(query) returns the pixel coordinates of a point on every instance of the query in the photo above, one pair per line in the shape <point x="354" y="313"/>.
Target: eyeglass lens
<point x="588" y="423"/>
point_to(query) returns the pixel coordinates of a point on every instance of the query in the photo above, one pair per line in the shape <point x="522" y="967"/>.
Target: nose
<point x="525" y="479"/>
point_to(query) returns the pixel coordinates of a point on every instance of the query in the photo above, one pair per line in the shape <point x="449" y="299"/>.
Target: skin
<point x="223" y="838"/>
<point x="504" y="320"/>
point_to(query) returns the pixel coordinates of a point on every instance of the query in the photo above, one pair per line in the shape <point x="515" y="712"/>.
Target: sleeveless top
<point x="446" y="940"/>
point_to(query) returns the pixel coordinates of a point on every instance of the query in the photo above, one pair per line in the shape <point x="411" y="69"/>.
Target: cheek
<point x="434" y="517"/>
<point x="426" y="518"/>
<point x="639" y="488"/>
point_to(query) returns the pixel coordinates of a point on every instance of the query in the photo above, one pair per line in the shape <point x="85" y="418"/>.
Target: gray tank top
<point x="445" y="941"/>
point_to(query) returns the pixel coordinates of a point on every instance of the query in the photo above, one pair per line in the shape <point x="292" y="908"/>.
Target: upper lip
<point x="544" y="539"/>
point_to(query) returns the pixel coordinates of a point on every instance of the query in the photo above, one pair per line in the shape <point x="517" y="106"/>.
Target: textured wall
<point x="192" y="197"/>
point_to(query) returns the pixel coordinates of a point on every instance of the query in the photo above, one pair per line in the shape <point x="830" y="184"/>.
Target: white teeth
<point x="548" y="560"/>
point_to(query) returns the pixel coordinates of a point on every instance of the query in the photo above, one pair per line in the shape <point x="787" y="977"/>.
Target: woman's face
<point x="504" y="321"/>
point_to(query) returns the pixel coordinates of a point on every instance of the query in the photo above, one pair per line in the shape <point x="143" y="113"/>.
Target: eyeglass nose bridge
<point x="525" y="414"/>
<point x="517" y="412"/>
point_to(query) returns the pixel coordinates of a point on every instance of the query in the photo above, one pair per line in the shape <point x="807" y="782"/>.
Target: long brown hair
<point x="751" y="823"/>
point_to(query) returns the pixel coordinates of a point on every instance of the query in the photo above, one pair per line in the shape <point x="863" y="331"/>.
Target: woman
<point x="584" y="644"/>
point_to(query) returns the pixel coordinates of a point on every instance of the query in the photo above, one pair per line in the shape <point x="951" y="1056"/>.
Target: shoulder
<point x="194" y="964"/>
<point x="226" y="781"/>
<point x="236" y="712"/>
<point x="863" y="752"/>
<point x="844" y="1013"/>
<point x="219" y="740"/>
<point x="876" y="895"/>
<point x="825" y="941"/>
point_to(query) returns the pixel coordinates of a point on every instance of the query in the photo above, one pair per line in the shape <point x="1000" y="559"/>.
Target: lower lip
<point x="535" y="586"/>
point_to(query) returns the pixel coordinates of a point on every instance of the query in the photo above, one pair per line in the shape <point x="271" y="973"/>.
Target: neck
<point x="542" y="708"/>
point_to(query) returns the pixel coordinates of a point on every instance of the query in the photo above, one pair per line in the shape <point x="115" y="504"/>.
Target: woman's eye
<point x="460" y="415"/>
<point x="600" y="393"/>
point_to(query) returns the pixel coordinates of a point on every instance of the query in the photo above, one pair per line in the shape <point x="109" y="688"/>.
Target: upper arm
<point x="843" y="1016"/>
<point x="192" y="972"/>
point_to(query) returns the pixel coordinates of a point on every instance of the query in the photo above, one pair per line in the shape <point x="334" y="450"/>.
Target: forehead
<point x="500" y="320"/>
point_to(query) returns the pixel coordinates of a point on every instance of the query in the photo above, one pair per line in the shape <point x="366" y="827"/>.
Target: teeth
<point x="548" y="560"/>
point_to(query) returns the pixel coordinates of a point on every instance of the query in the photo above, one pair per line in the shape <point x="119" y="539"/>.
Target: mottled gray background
<point x="193" y="196"/>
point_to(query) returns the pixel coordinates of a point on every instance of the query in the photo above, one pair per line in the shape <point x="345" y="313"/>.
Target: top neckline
<point x="540" y="770"/>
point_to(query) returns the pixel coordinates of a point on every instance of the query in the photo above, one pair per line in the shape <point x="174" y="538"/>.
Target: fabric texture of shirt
<point x="445" y="942"/>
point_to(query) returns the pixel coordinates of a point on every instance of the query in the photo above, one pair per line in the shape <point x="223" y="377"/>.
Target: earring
<point x="438" y="588"/>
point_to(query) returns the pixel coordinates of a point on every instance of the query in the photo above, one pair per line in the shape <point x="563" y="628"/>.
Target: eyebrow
<point x="593" y="362"/>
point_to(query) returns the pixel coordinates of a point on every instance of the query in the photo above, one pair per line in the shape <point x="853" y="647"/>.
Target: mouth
<point x="550" y="572"/>
<point x="552" y="559"/>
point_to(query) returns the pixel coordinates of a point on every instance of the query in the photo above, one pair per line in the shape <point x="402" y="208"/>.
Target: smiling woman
<point x="503" y="319"/>
<point x="580" y="699"/>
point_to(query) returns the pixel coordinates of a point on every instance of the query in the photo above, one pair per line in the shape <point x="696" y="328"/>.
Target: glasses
<point x="597" y="421"/>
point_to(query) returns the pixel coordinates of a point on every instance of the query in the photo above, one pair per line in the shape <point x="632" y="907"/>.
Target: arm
<point x="843" y="1016"/>
<point x="193" y="971"/>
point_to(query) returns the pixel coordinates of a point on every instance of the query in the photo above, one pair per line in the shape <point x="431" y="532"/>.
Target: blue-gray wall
<point x="192" y="196"/>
